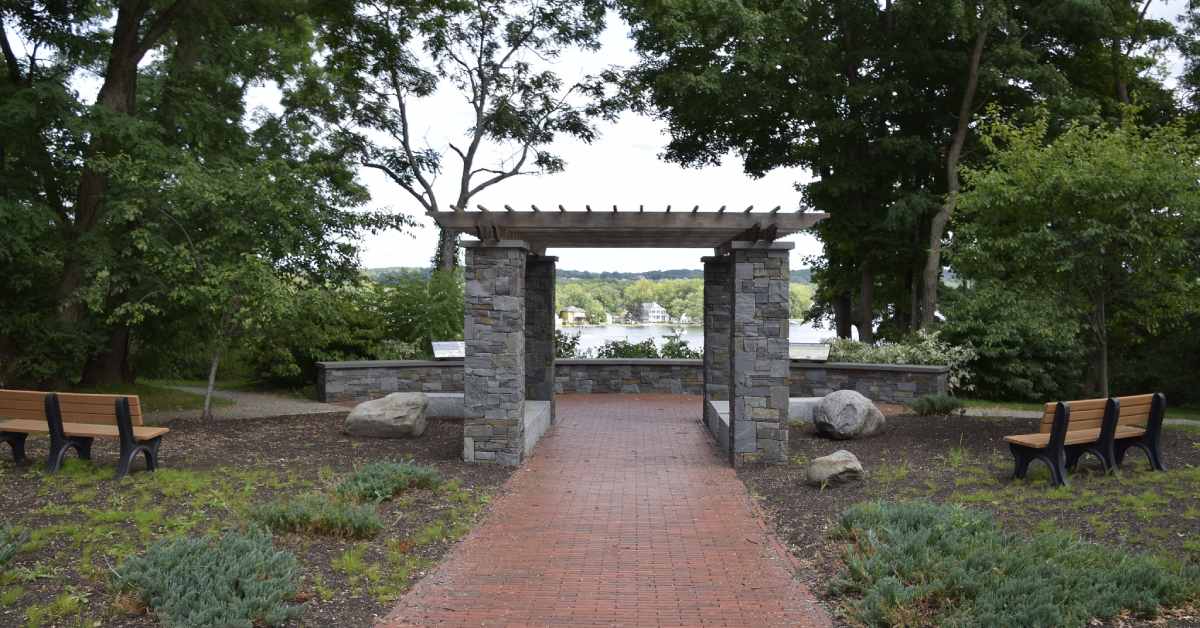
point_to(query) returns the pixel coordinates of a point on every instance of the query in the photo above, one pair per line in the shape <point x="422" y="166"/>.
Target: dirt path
<point x="247" y="405"/>
<point x="624" y="516"/>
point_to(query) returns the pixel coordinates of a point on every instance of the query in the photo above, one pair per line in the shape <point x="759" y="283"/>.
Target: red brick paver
<point x="625" y="516"/>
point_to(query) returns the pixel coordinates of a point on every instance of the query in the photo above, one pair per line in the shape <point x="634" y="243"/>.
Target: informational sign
<point x="809" y="351"/>
<point x="449" y="350"/>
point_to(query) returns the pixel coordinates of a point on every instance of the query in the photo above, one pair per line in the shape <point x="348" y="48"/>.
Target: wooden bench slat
<point x="86" y="430"/>
<point x="21" y="413"/>
<point x="1074" y="437"/>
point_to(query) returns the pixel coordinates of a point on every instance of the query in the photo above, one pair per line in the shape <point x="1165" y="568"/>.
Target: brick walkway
<point x="625" y="516"/>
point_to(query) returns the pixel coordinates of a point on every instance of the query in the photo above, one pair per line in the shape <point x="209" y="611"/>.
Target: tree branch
<point x="406" y="142"/>
<point x="159" y="27"/>
<point x="10" y="59"/>
<point x="428" y="204"/>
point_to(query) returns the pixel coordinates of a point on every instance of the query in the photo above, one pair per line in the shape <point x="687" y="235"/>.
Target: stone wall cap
<point x="628" y="361"/>
<point x="856" y="366"/>
<point x="770" y="246"/>
<point x="495" y="244"/>
<point x="375" y="364"/>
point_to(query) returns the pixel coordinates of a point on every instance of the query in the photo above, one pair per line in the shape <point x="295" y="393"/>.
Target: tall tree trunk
<point x="110" y="366"/>
<point x="842" y="318"/>
<point x="446" y="256"/>
<point x="212" y="384"/>
<point x="937" y="227"/>
<point x="866" y="305"/>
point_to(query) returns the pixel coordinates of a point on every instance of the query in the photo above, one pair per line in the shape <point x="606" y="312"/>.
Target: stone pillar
<point x="539" y="329"/>
<point x="494" y="369"/>
<point x="759" y="351"/>
<point x="718" y="291"/>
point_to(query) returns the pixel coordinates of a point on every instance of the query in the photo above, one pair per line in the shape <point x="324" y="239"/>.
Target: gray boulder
<point x="836" y="468"/>
<point x="395" y="416"/>
<point x="846" y="414"/>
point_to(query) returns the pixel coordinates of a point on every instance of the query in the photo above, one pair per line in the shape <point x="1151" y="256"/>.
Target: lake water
<point x="592" y="337"/>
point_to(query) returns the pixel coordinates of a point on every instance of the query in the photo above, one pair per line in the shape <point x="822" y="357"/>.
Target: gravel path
<point x="248" y="405"/>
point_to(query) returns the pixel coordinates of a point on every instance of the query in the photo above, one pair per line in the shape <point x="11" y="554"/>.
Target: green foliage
<point x="800" y="299"/>
<point x="626" y="349"/>
<point x="920" y="348"/>
<point x="239" y="579"/>
<point x="1024" y="348"/>
<point x="379" y="481"/>
<point x="423" y="310"/>
<point x="566" y="345"/>
<point x="317" y="514"/>
<point x="937" y="405"/>
<point x="1102" y="219"/>
<point x="11" y="540"/>
<point x="675" y="347"/>
<point x="921" y="564"/>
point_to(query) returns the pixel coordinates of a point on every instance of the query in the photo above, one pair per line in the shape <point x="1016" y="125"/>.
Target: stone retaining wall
<point x="892" y="383"/>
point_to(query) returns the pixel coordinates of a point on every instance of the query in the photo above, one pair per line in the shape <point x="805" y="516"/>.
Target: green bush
<point x="625" y="349"/>
<point x="316" y="514"/>
<point x="676" y="348"/>
<point x="1024" y="348"/>
<point x="11" y="540"/>
<point x="237" y="580"/>
<point x="566" y="345"/>
<point x="924" y="347"/>
<point x="378" y="481"/>
<point x="923" y="564"/>
<point x="937" y="405"/>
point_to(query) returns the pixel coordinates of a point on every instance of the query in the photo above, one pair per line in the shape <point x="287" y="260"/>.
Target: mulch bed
<point x="226" y="467"/>
<point x="959" y="459"/>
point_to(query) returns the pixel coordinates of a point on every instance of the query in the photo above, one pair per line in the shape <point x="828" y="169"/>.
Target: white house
<point x="572" y="315"/>
<point x="652" y="313"/>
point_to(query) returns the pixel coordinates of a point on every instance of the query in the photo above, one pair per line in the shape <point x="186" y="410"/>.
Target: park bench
<point x="1105" y="428"/>
<point x="73" y="421"/>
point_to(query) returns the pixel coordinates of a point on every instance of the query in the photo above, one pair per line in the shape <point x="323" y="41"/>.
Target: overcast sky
<point x="621" y="167"/>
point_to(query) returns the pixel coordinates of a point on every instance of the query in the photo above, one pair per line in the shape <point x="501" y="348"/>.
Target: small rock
<point x="838" y="467"/>
<point x="846" y="414"/>
<point x="395" y="416"/>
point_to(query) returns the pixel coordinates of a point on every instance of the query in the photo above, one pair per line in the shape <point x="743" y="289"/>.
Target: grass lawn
<point x="308" y="392"/>
<point x="1135" y="517"/>
<point x="349" y="537"/>
<point x="156" y="397"/>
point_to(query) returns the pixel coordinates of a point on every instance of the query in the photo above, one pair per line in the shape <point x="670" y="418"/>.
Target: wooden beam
<point x="695" y="209"/>
<point x="641" y="208"/>
<point x="776" y="210"/>
<point x="722" y="210"/>
<point x="562" y="209"/>
<point x="749" y="209"/>
<point x="482" y="208"/>
<point x="668" y="209"/>
<point x="508" y="208"/>
<point x="588" y="207"/>
<point x="614" y="209"/>
<point x="534" y="207"/>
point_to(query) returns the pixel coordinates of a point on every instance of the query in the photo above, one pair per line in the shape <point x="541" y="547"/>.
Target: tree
<point x="130" y="201"/>
<point x="487" y="50"/>
<point x="1102" y="219"/>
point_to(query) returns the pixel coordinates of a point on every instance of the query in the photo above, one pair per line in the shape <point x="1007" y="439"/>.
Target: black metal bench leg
<point x="1058" y="471"/>
<point x="128" y="453"/>
<point x="83" y="446"/>
<point x="59" y="448"/>
<point x="15" y="440"/>
<point x="1021" y="461"/>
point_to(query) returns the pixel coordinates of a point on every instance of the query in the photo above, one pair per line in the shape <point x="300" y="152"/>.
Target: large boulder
<point x="394" y="416"/>
<point x="846" y="414"/>
<point x="836" y="468"/>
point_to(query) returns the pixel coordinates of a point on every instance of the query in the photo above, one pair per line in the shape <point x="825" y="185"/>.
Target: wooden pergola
<point x="509" y="380"/>
<point x="614" y="228"/>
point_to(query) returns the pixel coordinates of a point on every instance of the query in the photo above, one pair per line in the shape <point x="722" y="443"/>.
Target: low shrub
<point x="11" y="540"/>
<point x="937" y="405"/>
<point x="923" y="564"/>
<point x="316" y="514"/>
<point x="239" y="579"/>
<point x="923" y="347"/>
<point x="378" y="481"/>
<point x="625" y="349"/>
<point x="676" y="348"/>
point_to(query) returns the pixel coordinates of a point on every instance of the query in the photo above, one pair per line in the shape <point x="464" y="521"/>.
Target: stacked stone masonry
<point x="759" y="371"/>
<point x="890" y="383"/>
<point x="539" y="328"/>
<point x="494" y="368"/>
